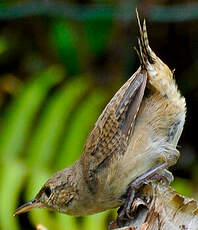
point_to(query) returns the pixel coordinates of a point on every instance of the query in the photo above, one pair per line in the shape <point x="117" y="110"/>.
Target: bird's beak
<point x="27" y="207"/>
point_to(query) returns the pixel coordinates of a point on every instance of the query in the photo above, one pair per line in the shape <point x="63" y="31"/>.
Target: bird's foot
<point x="126" y="211"/>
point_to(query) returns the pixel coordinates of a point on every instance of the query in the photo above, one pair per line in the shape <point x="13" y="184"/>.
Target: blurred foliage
<point x="60" y="63"/>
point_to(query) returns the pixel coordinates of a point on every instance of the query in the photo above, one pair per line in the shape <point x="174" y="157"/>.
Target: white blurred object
<point x="40" y="227"/>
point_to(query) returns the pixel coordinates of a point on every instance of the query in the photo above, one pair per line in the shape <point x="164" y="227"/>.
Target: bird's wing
<point x="114" y="127"/>
<point x="108" y="140"/>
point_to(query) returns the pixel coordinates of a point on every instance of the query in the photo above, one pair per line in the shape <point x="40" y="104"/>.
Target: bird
<point x="133" y="141"/>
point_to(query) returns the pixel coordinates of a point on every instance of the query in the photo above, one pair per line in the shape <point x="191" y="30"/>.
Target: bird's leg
<point x="152" y="174"/>
<point x="158" y="172"/>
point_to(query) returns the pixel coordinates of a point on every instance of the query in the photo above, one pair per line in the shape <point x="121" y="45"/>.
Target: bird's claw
<point x="124" y="212"/>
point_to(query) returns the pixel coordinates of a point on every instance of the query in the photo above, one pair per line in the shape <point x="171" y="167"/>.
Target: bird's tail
<point x="160" y="77"/>
<point x="144" y="52"/>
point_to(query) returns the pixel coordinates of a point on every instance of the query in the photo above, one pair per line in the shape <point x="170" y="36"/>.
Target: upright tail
<point x="144" y="51"/>
<point x="160" y="77"/>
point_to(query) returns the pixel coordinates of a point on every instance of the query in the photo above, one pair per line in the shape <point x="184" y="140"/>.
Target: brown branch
<point x="164" y="209"/>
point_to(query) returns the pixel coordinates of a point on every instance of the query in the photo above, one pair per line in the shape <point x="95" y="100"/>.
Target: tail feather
<point x="144" y="51"/>
<point x="160" y="77"/>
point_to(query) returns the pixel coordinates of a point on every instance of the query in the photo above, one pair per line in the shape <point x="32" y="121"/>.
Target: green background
<point x="60" y="63"/>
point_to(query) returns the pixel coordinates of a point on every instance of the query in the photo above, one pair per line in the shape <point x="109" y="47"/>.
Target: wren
<point x="133" y="140"/>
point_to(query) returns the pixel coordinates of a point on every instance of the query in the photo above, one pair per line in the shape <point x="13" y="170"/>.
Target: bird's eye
<point x="47" y="191"/>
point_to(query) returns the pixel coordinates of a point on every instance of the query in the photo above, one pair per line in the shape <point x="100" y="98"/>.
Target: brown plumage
<point x="134" y="134"/>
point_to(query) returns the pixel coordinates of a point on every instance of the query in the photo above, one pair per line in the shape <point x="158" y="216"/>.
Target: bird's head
<point x="58" y="193"/>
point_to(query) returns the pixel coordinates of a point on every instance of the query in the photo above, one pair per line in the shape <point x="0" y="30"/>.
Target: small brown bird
<point x="133" y="140"/>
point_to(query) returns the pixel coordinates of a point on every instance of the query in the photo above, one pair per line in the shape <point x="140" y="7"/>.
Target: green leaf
<point x="97" y="221"/>
<point x="64" y="39"/>
<point x="13" y="174"/>
<point x="65" y="222"/>
<point x="44" y="143"/>
<point x="20" y="116"/>
<point x="98" y="34"/>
